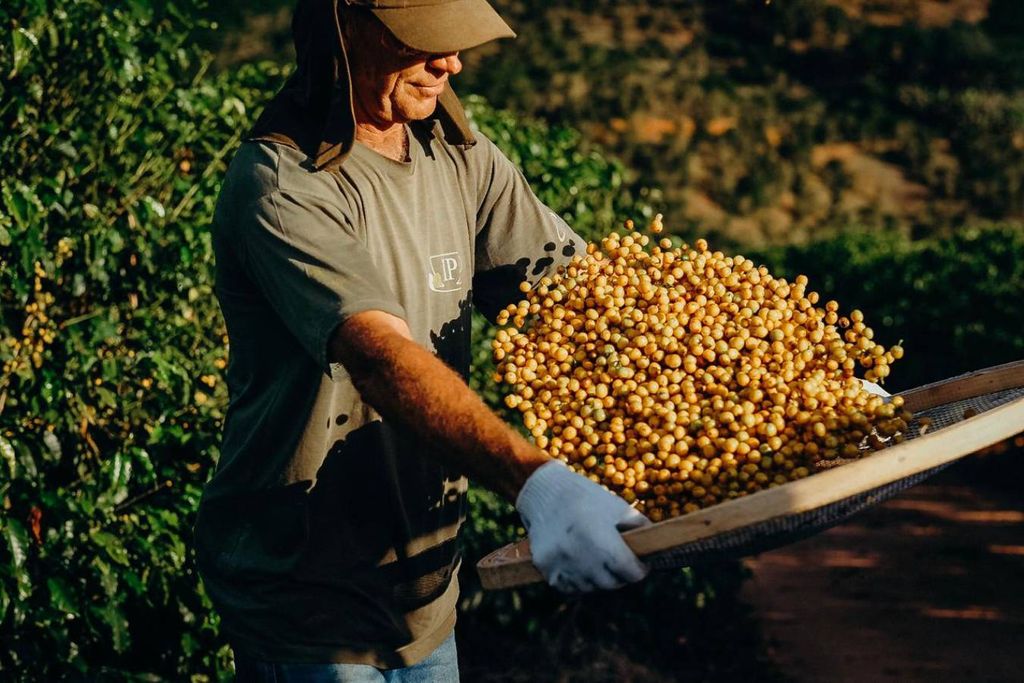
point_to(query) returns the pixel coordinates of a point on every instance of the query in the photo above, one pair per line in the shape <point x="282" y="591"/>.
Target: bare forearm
<point x="409" y="385"/>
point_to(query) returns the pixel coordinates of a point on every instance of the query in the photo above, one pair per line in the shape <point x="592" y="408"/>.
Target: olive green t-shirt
<point x="327" y="533"/>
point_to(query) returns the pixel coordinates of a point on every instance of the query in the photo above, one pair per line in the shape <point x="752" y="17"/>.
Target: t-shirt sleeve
<point x="518" y="237"/>
<point x="303" y="254"/>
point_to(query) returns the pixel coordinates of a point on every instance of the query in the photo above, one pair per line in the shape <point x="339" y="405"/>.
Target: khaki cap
<point x="439" y="26"/>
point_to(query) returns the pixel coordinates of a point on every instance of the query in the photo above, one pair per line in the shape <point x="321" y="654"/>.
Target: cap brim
<point x="446" y="27"/>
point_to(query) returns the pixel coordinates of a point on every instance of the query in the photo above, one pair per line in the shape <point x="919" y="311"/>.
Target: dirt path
<point x="927" y="587"/>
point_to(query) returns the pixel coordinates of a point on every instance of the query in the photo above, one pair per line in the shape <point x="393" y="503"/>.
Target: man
<point x="355" y="230"/>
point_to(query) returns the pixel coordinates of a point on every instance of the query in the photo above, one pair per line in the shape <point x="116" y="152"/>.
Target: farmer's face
<point x="392" y="83"/>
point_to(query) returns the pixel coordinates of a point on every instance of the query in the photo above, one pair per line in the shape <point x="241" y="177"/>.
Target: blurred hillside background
<point x="763" y="123"/>
<point x="875" y="145"/>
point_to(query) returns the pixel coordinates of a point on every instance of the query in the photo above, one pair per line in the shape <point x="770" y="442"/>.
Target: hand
<point x="574" y="527"/>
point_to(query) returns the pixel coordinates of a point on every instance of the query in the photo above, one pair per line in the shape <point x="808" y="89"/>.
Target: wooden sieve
<point x="952" y="419"/>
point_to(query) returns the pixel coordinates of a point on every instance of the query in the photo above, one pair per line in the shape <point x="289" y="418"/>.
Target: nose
<point x="450" y="64"/>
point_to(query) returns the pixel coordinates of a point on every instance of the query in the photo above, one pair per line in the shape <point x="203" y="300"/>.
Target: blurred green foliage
<point x="110" y="340"/>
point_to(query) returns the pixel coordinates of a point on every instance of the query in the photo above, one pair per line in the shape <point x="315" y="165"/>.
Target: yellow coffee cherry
<point x="683" y="377"/>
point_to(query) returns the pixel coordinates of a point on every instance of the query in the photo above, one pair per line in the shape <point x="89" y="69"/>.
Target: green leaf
<point x="112" y="544"/>
<point x="17" y="542"/>
<point x="8" y="454"/>
<point x="107" y="397"/>
<point x="155" y="207"/>
<point x="110" y="370"/>
<point x="121" y="472"/>
<point x="113" y="617"/>
<point x="26" y="461"/>
<point x="17" y="206"/>
<point x="22" y="43"/>
<point x="115" y="240"/>
<point x="108" y="578"/>
<point x="61" y="596"/>
<point x="67" y="149"/>
<point x="53" y="449"/>
<point x="232" y="105"/>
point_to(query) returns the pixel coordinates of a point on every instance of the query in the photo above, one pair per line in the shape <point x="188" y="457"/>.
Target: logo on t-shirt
<point x="446" y="272"/>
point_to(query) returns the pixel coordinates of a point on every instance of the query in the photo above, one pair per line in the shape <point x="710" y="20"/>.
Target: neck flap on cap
<point x="314" y="112"/>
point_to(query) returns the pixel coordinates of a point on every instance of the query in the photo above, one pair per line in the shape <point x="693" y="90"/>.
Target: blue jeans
<point x="440" y="666"/>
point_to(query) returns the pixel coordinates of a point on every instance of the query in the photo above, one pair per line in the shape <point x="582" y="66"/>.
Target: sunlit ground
<point x="926" y="587"/>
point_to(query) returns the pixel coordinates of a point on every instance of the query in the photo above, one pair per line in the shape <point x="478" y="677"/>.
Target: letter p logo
<point x="446" y="272"/>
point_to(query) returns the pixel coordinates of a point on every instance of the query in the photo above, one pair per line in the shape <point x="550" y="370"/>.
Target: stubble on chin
<point x="416" y="108"/>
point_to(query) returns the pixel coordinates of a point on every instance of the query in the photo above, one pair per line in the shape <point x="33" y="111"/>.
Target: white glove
<point x="873" y="388"/>
<point x="574" y="527"/>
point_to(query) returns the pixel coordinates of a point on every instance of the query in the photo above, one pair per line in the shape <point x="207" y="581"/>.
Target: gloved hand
<point x="875" y="389"/>
<point x="574" y="527"/>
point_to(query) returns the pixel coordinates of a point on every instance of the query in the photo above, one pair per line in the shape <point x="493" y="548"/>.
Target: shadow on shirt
<point x="345" y="557"/>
